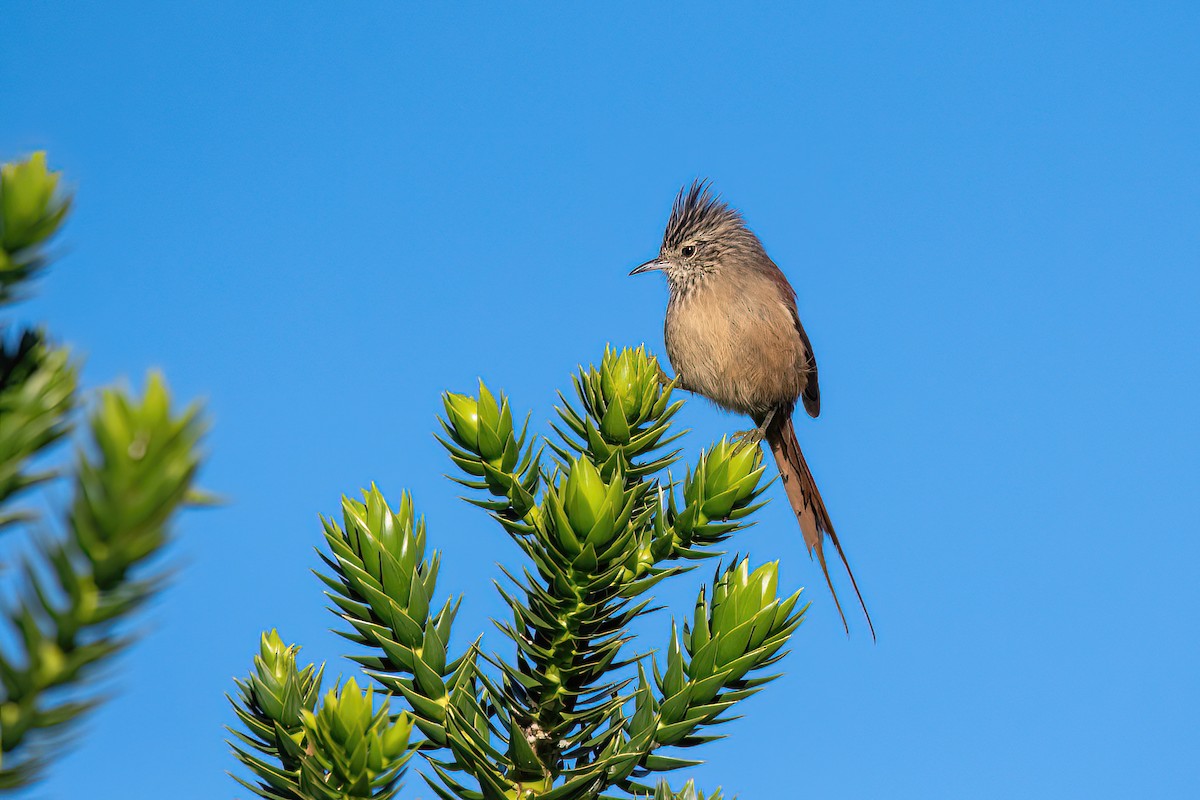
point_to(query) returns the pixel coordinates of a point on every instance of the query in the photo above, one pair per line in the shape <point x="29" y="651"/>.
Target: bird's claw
<point x="752" y="436"/>
<point x="663" y="378"/>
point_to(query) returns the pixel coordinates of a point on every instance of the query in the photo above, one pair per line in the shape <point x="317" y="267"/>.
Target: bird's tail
<point x="807" y="503"/>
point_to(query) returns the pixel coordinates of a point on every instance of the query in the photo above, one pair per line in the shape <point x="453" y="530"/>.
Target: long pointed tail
<point x="807" y="503"/>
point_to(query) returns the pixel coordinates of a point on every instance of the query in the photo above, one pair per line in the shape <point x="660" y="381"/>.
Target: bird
<point x="733" y="335"/>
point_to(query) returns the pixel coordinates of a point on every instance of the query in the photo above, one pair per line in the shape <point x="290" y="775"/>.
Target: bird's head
<point x="704" y="236"/>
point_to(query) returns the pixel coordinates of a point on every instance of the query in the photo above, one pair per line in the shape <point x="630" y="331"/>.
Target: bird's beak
<point x="649" y="266"/>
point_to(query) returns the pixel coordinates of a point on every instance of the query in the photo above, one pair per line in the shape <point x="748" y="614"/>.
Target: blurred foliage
<point x="72" y="591"/>
<point x="569" y="712"/>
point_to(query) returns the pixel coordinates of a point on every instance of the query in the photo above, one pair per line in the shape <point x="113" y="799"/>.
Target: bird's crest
<point x="698" y="210"/>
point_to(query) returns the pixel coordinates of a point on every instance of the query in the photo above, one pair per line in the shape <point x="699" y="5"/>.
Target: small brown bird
<point x="734" y="336"/>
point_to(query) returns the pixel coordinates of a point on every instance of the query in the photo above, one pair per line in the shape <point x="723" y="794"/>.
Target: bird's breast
<point x="736" y="345"/>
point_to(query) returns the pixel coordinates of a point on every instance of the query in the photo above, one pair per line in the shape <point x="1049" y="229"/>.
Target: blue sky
<point x="318" y="217"/>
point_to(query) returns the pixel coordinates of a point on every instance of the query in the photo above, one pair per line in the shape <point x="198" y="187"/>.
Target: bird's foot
<point x="752" y="436"/>
<point x="755" y="435"/>
<point x="665" y="380"/>
<point x="663" y="377"/>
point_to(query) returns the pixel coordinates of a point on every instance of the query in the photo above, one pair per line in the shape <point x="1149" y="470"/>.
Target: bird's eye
<point x="689" y="251"/>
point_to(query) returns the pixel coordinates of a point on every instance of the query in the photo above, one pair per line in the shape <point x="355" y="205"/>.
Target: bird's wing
<point x="812" y="388"/>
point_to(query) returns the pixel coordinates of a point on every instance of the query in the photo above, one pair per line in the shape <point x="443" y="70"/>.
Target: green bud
<point x="30" y="212"/>
<point x="355" y="748"/>
<point x="629" y="390"/>
<point x="387" y="551"/>
<point x="618" y="374"/>
<point x="623" y="415"/>
<point x="483" y="427"/>
<point x="495" y="429"/>
<point x="278" y="659"/>
<point x="743" y="616"/>
<point x="463" y="411"/>
<point x="482" y="442"/>
<point x="279" y="688"/>
<point x="723" y="486"/>
<point x="592" y="506"/>
<point x="725" y="479"/>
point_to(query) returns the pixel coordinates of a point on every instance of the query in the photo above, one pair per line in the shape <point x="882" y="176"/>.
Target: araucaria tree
<point x="570" y="710"/>
<point x="81" y="572"/>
